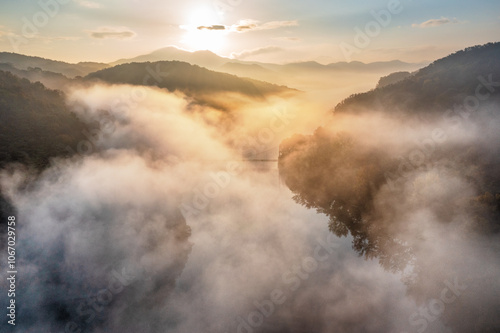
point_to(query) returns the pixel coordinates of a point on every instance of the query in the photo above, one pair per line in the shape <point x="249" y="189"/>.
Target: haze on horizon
<point x="277" y="32"/>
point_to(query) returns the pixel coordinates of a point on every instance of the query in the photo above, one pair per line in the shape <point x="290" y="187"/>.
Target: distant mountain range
<point x="273" y="73"/>
<point x="183" y="76"/>
<point x="24" y="62"/>
<point x="392" y="78"/>
<point x="210" y="60"/>
<point x="206" y="59"/>
<point x="51" y="80"/>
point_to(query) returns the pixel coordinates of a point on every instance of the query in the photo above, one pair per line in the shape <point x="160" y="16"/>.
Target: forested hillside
<point x="352" y="180"/>
<point x="21" y="61"/>
<point x="442" y="84"/>
<point x="184" y="77"/>
<point x="35" y="123"/>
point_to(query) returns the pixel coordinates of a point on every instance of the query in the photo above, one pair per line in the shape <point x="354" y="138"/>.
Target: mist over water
<point x="164" y="222"/>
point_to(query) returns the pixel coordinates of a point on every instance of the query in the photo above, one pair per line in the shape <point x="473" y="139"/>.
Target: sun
<point x="203" y="31"/>
<point x="212" y="40"/>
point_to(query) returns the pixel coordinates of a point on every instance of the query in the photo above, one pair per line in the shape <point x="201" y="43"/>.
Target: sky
<point x="275" y="31"/>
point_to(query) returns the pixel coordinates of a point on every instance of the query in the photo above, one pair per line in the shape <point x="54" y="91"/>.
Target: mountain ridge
<point x="173" y="52"/>
<point x="442" y="84"/>
<point x="185" y="77"/>
<point x="25" y="62"/>
<point x="306" y="76"/>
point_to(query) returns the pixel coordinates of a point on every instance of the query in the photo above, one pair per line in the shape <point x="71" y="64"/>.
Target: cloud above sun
<point x="212" y="27"/>
<point x="112" y="33"/>
<point x="202" y="36"/>
<point x="250" y="25"/>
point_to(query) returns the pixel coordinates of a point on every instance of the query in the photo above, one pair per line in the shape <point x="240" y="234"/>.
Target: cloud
<point x="112" y="33"/>
<point x="243" y="26"/>
<point x="212" y="27"/>
<point x="431" y="235"/>
<point x="111" y="228"/>
<point x="262" y="50"/>
<point x="252" y="25"/>
<point x="436" y="22"/>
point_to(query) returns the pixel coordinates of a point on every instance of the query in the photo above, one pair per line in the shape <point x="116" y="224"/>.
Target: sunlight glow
<point x="203" y="39"/>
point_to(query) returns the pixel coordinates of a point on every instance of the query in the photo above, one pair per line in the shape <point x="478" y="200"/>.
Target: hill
<point x="35" y="126"/>
<point x="211" y="60"/>
<point x="49" y="79"/>
<point x="182" y="76"/>
<point x="206" y="59"/>
<point x="306" y="75"/>
<point x="245" y="70"/>
<point x="392" y="78"/>
<point x="35" y="123"/>
<point x="25" y="62"/>
<point x="441" y="85"/>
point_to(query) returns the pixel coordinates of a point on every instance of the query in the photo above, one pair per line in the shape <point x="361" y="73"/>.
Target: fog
<point x="415" y="194"/>
<point x="173" y="217"/>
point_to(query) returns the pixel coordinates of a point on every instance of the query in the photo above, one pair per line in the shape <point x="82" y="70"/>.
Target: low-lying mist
<point x="174" y="217"/>
<point x="421" y="197"/>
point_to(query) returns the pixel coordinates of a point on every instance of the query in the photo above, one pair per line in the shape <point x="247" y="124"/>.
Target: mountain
<point x="305" y="76"/>
<point x="253" y="71"/>
<point x="35" y="126"/>
<point x="49" y="79"/>
<point x="393" y="65"/>
<point x="345" y="177"/>
<point x="182" y="76"/>
<point x="401" y="177"/>
<point x="301" y="73"/>
<point x="211" y="60"/>
<point x="24" y="62"/>
<point x="392" y="78"/>
<point x="240" y="69"/>
<point x="441" y="85"/>
<point x="201" y="58"/>
<point x="306" y="65"/>
<point x="353" y="66"/>
<point x="35" y="123"/>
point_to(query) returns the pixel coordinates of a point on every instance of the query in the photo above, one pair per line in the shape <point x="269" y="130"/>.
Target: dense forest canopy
<point x="35" y="126"/>
<point x="35" y="123"/>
